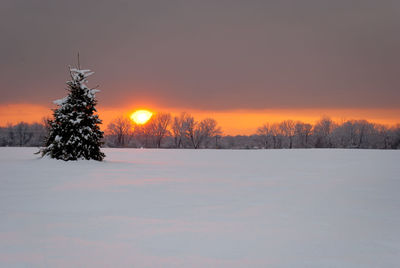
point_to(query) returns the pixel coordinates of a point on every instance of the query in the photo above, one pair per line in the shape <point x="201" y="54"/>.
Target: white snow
<point x="60" y="102"/>
<point x="85" y="73"/>
<point x="76" y="121"/>
<point x="205" y="208"/>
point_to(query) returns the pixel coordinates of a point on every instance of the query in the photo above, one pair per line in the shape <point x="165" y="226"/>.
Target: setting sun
<point x="141" y="116"/>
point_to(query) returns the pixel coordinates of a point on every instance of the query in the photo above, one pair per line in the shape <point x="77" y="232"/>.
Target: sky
<point x="243" y="62"/>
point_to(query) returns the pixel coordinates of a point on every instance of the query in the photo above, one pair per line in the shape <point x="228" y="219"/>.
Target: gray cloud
<point x="206" y="54"/>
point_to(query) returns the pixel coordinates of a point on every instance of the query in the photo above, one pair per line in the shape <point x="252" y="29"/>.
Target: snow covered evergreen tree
<point x="74" y="131"/>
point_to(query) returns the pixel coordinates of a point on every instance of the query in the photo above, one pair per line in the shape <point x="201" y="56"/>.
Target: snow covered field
<point x="205" y="208"/>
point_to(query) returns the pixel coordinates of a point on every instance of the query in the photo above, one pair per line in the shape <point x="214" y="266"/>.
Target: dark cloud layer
<point x="206" y="54"/>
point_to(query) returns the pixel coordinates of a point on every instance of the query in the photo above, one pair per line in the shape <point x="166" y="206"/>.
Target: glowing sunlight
<point x="140" y="117"/>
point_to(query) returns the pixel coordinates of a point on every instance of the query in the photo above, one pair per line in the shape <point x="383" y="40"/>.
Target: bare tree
<point x="276" y="136"/>
<point x="287" y="128"/>
<point x="302" y="132"/>
<point x="355" y="134"/>
<point x="191" y="131"/>
<point x="383" y="133"/>
<point x="344" y="135"/>
<point x="158" y="127"/>
<point x="322" y="132"/>
<point x="364" y="131"/>
<point x="120" y="131"/>
<point x="180" y="128"/>
<point x="39" y="132"/>
<point x="208" y="129"/>
<point x="200" y="132"/>
<point x="265" y="133"/>
<point x="22" y="133"/>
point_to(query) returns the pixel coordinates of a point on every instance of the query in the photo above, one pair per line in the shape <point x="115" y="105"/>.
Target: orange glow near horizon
<point x="140" y="117"/>
<point x="23" y="112"/>
<point x="232" y="122"/>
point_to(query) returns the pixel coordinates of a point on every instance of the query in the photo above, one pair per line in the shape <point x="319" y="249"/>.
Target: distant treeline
<point x="183" y="131"/>
<point x="23" y="134"/>
<point x="165" y="131"/>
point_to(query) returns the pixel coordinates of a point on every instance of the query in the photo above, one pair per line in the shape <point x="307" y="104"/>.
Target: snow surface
<point x="204" y="208"/>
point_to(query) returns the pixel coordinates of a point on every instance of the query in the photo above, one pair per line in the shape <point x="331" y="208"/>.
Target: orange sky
<point x="233" y="122"/>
